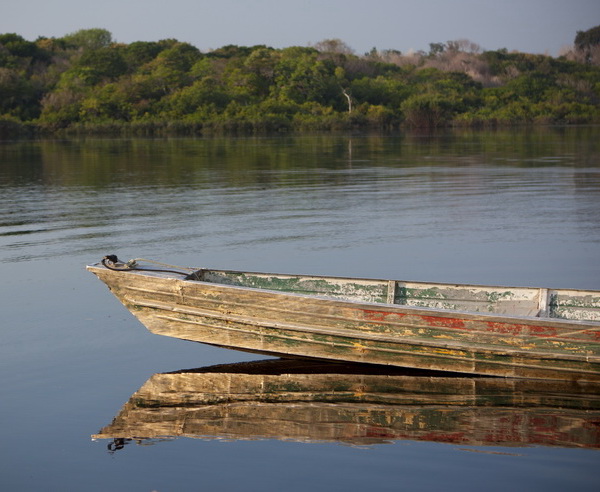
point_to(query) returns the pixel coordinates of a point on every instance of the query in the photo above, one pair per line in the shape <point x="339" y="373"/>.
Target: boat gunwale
<point x="160" y="274"/>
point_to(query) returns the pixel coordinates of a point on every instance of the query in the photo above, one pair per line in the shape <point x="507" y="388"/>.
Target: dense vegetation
<point x="87" y="83"/>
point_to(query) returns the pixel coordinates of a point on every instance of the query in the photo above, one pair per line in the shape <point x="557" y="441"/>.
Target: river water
<point x="515" y="207"/>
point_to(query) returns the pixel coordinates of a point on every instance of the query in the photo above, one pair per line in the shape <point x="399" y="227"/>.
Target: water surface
<point x="510" y="207"/>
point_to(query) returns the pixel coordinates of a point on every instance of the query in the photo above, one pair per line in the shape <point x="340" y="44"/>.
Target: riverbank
<point x="64" y="86"/>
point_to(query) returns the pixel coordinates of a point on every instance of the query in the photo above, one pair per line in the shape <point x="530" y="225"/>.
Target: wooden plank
<point x="543" y="303"/>
<point x="575" y="305"/>
<point x="516" y="301"/>
<point x="259" y="319"/>
<point x="349" y="289"/>
<point x="391" y="292"/>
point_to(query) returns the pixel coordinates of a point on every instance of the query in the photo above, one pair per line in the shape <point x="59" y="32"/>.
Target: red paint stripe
<point x="500" y="327"/>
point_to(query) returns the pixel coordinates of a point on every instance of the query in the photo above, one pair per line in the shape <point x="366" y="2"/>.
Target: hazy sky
<point x="532" y="26"/>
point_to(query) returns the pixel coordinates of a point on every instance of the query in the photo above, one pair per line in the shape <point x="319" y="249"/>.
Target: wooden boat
<point x="357" y="405"/>
<point x="497" y="331"/>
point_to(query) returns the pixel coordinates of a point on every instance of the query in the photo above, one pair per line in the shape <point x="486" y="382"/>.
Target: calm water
<point x="518" y="208"/>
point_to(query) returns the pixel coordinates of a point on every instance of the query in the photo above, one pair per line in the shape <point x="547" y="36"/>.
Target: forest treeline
<point x="86" y="83"/>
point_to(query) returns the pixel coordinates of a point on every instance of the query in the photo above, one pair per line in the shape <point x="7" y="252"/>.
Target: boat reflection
<point x="310" y="401"/>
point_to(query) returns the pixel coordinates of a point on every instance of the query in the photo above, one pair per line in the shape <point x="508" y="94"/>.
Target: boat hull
<point x="295" y="325"/>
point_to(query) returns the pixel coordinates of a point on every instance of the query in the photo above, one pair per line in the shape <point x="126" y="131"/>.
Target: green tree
<point x="586" y="39"/>
<point x="427" y="110"/>
<point x="260" y="65"/>
<point x="17" y="96"/>
<point x="17" y="52"/>
<point x="140" y="52"/>
<point x="89" y="39"/>
<point x="231" y="51"/>
<point x="170" y="70"/>
<point x="101" y="64"/>
<point x="87" y="78"/>
<point x="203" y="93"/>
<point x="179" y="57"/>
<point x="301" y="77"/>
<point x="381" y="91"/>
<point x="436" y="48"/>
<point x="588" y="42"/>
<point x="61" y="108"/>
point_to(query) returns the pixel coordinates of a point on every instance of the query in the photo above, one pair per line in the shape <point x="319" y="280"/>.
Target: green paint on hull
<point x="351" y="320"/>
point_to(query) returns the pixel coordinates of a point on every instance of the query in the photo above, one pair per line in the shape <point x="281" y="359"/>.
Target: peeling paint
<point x="256" y="317"/>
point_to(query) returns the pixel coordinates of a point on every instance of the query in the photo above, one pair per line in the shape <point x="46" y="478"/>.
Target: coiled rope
<point x="113" y="263"/>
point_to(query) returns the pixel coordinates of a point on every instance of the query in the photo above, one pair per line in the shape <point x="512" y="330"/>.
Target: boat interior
<point x="575" y="305"/>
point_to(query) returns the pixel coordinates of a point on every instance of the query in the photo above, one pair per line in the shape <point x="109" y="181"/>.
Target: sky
<point x="531" y="26"/>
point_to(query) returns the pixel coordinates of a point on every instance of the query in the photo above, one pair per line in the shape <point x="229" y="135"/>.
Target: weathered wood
<point x="352" y="404"/>
<point x="459" y="328"/>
